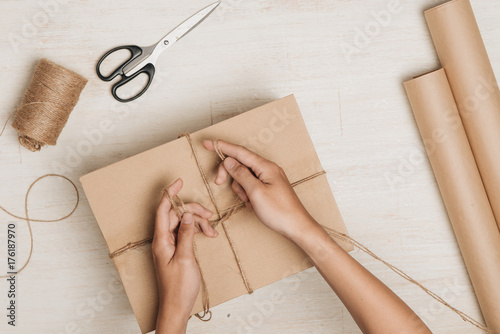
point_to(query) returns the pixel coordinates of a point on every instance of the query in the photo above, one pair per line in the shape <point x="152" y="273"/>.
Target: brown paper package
<point x="463" y="55"/>
<point x="124" y="197"/>
<point x="461" y="187"/>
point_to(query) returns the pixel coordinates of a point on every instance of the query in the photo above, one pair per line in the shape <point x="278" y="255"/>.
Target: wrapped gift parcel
<point x="124" y="197"/>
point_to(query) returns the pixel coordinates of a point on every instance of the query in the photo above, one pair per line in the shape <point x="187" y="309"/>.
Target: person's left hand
<point x="177" y="272"/>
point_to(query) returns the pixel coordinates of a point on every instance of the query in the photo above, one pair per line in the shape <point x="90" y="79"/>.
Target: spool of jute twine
<point x="49" y="100"/>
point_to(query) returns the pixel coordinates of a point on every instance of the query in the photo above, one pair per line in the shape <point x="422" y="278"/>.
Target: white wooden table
<point x="247" y="54"/>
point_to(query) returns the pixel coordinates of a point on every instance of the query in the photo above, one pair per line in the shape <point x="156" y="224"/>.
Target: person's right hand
<point x="264" y="187"/>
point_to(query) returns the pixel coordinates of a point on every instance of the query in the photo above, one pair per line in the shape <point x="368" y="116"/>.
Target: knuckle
<point x="240" y="150"/>
<point x="159" y="248"/>
<point x="156" y="252"/>
<point x="161" y="209"/>
<point x="155" y="245"/>
<point x="256" y="192"/>
<point x="274" y="167"/>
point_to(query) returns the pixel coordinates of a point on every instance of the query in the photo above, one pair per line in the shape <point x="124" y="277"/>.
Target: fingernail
<point x="173" y="183"/>
<point x="215" y="233"/>
<point x="229" y="163"/>
<point x="187" y="218"/>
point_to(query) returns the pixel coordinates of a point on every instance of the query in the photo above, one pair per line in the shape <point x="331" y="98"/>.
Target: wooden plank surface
<point x="247" y="54"/>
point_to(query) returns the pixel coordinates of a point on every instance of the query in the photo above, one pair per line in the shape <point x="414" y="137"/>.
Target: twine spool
<point x="51" y="96"/>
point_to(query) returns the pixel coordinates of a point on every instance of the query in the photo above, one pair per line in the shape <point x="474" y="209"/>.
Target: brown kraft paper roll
<point x="463" y="56"/>
<point x="461" y="187"/>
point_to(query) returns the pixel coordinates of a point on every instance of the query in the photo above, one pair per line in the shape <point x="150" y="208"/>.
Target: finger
<point x="162" y="224"/>
<point x="205" y="226"/>
<point x="242" y="175"/>
<point x="238" y="190"/>
<point x="248" y="158"/>
<point x="175" y="187"/>
<point x="198" y="209"/>
<point x="222" y="175"/>
<point x="174" y="220"/>
<point x="164" y="237"/>
<point x="185" y="237"/>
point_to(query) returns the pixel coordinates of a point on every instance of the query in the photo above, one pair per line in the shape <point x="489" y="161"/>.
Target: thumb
<point x="185" y="237"/>
<point x="241" y="174"/>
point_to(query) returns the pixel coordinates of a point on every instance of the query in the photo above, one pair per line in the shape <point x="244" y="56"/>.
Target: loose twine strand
<point x="223" y="216"/>
<point x="29" y="220"/>
<point x="465" y="317"/>
<point x="3" y="129"/>
<point x="6" y="122"/>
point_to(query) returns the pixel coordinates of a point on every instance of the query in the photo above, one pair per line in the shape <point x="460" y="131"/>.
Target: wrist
<point x="302" y="229"/>
<point x="312" y="238"/>
<point x="171" y="321"/>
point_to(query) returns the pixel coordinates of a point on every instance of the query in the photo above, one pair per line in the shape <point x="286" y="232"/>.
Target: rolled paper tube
<point x="49" y="99"/>
<point x="461" y="187"/>
<point x="463" y="56"/>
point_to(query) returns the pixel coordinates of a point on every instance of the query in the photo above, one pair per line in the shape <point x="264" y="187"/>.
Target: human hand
<point x="177" y="272"/>
<point x="263" y="186"/>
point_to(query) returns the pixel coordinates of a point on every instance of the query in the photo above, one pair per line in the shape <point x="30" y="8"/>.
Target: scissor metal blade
<point x="185" y="27"/>
<point x="151" y="53"/>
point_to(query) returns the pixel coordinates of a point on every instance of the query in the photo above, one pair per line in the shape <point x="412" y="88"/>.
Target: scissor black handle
<point x="149" y="69"/>
<point x="135" y="51"/>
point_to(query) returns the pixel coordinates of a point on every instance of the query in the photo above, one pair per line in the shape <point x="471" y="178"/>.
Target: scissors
<point x="143" y="59"/>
